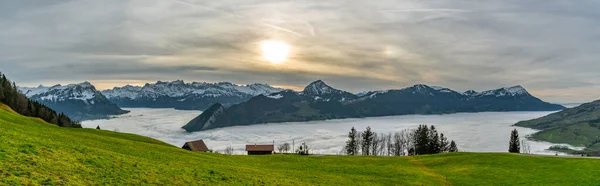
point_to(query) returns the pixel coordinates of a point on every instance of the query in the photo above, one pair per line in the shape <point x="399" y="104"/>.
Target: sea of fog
<point x="473" y="132"/>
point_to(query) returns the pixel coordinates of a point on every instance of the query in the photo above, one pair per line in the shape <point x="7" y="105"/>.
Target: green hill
<point x="33" y="152"/>
<point x="578" y="126"/>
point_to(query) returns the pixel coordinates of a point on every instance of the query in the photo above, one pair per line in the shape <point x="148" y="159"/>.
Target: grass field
<point x="35" y="153"/>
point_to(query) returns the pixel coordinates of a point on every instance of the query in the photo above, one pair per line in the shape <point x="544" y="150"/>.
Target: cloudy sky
<point x="551" y="47"/>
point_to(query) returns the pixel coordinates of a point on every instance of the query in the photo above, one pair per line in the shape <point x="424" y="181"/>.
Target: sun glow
<point x="275" y="52"/>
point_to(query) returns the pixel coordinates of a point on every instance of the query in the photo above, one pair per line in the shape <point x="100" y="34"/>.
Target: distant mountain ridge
<point x="78" y="101"/>
<point x="185" y="96"/>
<point x="319" y="101"/>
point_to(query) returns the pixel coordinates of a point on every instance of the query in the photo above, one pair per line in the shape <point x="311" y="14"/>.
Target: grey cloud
<point x="544" y="45"/>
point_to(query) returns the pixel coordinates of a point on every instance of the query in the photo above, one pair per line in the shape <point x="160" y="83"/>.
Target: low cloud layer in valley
<point x="473" y="132"/>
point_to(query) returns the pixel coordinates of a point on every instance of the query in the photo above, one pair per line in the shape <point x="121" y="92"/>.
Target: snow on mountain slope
<point x="179" y="88"/>
<point x="82" y="91"/>
<point x="125" y="92"/>
<point x="506" y="91"/>
<point x="78" y="101"/>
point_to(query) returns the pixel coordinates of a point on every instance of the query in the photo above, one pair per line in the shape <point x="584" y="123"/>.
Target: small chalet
<point x="197" y="146"/>
<point x="260" y="149"/>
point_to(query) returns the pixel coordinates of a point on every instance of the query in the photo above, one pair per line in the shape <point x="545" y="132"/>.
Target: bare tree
<point x="398" y="147"/>
<point x="374" y="145"/>
<point x="359" y="143"/>
<point x="407" y="141"/>
<point x="280" y="149"/>
<point x="525" y="148"/>
<point x="284" y="148"/>
<point x="389" y="144"/>
<point x="229" y="150"/>
<point x="382" y="145"/>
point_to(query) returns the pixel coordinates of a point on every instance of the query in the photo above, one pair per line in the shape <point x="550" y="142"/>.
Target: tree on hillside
<point x="452" y="147"/>
<point x="398" y="144"/>
<point x="352" y="143"/>
<point x="433" y="144"/>
<point x="283" y="148"/>
<point x="389" y="145"/>
<point x="381" y="140"/>
<point x="525" y="148"/>
<point x="444" y="144"/>
<point x="98" y="127"/>
<point x="303" y="149"/>
<point x="229" y="150"/>
<point x="13" y="98"/>
<point x="367" y="141"/>
<point x="421" y="140"/>
<point x="513" y="144"/>
<point x="375" y="145"/>
<point x="286" y="147"/>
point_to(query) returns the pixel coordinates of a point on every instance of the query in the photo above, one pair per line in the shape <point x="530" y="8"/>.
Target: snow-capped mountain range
<point x="319" y="101"/>
<point x="82" y="101"/>
<point x="78" y="101"/>
<point x="188" y="96"/>
<point x="517" y="90"/>
<point x="82" y="91"/>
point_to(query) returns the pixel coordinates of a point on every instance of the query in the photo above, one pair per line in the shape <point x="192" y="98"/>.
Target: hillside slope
<point x="35" y="153"/>
<point x="579" y="126"/>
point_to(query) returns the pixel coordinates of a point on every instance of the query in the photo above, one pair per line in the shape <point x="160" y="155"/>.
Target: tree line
<point x="12" y="97"/>
<point x="420" y="141"/>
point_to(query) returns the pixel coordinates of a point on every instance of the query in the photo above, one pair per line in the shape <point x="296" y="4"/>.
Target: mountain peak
<point x="85" y="84"/>
<point x="516" y="90"/>
<point x="470" y="93"/>
<point x="178" y="82"/>
<point x="419" y="88"/>
<point x="323" y="92"/>
<point x="319" y="87"/>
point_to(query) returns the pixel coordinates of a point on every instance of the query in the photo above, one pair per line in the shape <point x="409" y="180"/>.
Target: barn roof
<point x="260" y="147"/>
<point x="196" y="146"/>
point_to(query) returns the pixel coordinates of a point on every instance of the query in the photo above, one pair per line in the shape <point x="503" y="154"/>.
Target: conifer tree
<point x="367" y="141"/>
<point x="433" y="144"/>
<point x="421" y="140"/>
<point x="444" y="144"/>
<point x="12" y="97"/>
<point x="352" y="143"/>
<point x="453" y="147"/>
<point x="514" y="144"/>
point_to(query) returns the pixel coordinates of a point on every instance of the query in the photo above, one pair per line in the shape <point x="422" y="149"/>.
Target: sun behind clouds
<point x="275" y="51"/>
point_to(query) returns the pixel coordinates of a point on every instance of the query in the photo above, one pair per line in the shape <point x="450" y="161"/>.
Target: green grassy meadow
<point x="33" y="152"/>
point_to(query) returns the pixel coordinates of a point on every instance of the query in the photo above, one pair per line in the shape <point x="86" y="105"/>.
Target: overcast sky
<point x="551" y="47"/>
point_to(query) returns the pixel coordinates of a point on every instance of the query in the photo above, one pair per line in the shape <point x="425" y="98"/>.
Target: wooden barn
<point x="260" y="149"/>
<point x="197" y="146"/>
